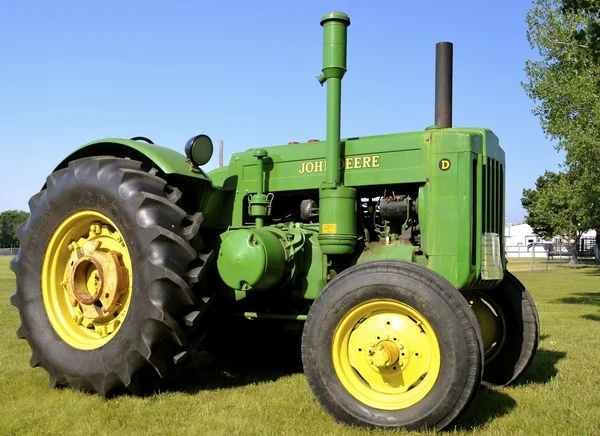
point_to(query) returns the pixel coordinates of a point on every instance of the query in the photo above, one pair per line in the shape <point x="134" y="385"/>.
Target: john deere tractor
<point x="386" y="251"/>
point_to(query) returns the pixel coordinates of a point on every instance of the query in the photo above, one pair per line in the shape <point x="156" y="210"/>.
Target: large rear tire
<point x="510" y="327"/>
<point x="104" y="277"/>
<point x="392" y="344"/>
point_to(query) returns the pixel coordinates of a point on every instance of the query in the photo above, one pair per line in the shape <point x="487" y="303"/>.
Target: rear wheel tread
<point x="522" y="334"/>
<point x="169" y="257"/>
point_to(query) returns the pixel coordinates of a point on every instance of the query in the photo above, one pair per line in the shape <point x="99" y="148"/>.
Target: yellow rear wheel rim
<point x="386" y="354"/>
<point x="491" y="323"/>
<point x="86" y="280"/>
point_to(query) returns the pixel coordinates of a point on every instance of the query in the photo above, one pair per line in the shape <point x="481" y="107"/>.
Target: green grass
<point x="558" y="394"/>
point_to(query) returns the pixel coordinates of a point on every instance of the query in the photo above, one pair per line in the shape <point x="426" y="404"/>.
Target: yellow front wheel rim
<point x="386" y="354"/>
<point x="86" y="280"/>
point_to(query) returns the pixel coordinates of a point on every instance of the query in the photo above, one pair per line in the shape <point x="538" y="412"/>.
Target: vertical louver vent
<point x="488" y="220"/>
<point x="492" y="187"/>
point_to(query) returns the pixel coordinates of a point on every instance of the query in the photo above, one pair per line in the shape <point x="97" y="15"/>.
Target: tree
<point x="565" y="82"/>
<point x="538" y="217"/>
<point x="9" y="221"/>
<point x="589" y="35"/>
<point x="557" y="207"/>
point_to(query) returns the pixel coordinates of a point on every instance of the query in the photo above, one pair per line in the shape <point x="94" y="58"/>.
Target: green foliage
<point x="9" y="221"/>
<point x="564" y="81"/>
<point x="534" y="201"/>
<point x="589" y="35"/>
<point x="559" y="206"/>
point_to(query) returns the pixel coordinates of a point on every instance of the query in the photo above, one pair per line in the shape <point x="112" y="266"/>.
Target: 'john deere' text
<point x="350" y="163"/>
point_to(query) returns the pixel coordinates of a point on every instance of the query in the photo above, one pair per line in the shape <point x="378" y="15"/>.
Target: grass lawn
<point x="559" y="394"/>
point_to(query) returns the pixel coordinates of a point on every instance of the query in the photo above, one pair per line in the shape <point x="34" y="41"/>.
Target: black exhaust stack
<point x="443" y="84"/>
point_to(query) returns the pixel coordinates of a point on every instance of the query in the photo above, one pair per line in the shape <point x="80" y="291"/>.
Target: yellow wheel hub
<point x="386" y="354"/>
<point x="491" y="323"/>
<point x="86" y="280"/>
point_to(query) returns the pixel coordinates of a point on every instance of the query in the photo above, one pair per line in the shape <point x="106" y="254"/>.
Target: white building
<point x="520" y="235"/>
<point x="518" y="239"/>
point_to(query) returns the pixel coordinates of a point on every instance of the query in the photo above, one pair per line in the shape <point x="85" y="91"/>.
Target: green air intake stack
<point x="337" y="203"/>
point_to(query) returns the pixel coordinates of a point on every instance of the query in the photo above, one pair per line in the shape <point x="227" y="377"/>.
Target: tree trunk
<point x="574" y="260"/>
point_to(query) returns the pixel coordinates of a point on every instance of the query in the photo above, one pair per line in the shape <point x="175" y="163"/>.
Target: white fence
<point x="528" y="252"/>
<point x="9" y="251"/>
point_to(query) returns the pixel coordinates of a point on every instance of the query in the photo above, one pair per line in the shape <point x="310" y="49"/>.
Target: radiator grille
<point x="492" y="187"/>
<point x="488" y="214"/>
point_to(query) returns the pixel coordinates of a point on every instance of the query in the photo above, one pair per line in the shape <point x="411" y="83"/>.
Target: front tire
<point x="392" y="344"/>
<point x="104" y="277"/>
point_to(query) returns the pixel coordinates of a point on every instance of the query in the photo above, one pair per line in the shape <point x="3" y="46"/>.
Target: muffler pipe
<point x="443" y="84"/>
<point x="335" y="26"/>
<point x="337" y="203"/>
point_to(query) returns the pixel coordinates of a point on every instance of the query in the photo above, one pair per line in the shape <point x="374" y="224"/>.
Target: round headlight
<point x="199" y="149"/>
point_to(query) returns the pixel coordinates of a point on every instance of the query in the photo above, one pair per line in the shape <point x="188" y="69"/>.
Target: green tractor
<point x="385" y="251"/>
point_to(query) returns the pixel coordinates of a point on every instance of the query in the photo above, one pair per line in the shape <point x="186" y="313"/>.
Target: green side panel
<point x="396" y="251"/>
<point x="373" y="160"/>
<point x="218" y="176"/>
<point x="168" y="160"/>
<point x="216" y="206"/>
<point x="312" y="269"/>
<point x="446" y="225"/>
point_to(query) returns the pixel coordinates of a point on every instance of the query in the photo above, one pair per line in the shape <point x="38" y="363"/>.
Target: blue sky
<point x="245" y="73"/>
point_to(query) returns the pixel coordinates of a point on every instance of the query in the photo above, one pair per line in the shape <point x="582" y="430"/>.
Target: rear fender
<point x="214" y="201"/>
<point x="166" y="160"/>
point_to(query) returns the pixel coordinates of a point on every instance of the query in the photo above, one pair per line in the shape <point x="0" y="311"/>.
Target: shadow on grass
<point x="487" y="405"/>
<point x="585" y="298"/>
<point x="211" y="371"/>
<point x="542" y="369"/>
<point x="589" y="298"/>
<point x="238" y="366"/>
<point x="592" y="271"/>
<point x="252" y="363"/>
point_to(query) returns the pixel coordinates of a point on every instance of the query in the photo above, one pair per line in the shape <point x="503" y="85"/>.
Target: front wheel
<point x="392" y="344"/>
